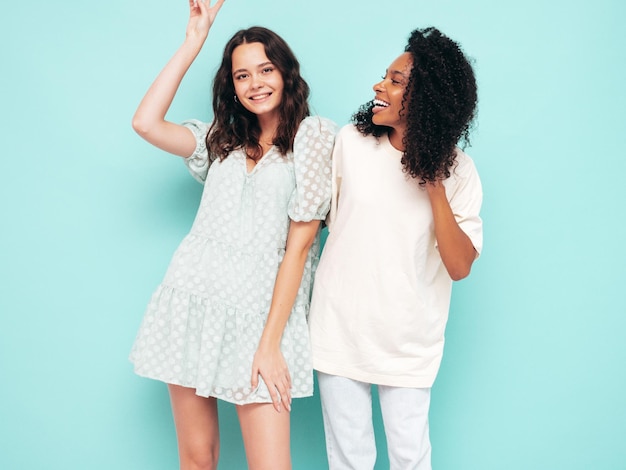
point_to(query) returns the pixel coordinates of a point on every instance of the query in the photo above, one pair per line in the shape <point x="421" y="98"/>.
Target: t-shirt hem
<point x="421" y="381"/>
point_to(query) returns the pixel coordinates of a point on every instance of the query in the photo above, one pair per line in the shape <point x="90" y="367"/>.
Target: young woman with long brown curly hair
<point x="229" y="319"/>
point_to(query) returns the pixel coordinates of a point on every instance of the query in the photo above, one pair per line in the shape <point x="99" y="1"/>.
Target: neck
<point x="395" y="138"/>
<point x="268" y="126"/>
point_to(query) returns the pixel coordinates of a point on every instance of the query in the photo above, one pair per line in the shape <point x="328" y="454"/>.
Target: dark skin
<point x="455" y="247"/>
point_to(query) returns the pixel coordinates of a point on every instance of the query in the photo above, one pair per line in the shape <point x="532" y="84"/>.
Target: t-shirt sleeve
<point x="466" y="199"/>
<point x="337" y="161"/>
<point x="312" y="152"/>
<point x="198" y="162"/>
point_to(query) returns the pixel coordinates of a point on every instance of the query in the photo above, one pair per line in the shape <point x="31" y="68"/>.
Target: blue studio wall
<point x="533" y="376"/>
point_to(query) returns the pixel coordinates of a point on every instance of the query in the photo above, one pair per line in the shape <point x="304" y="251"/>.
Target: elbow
<point x="302" y="249"/>
<point x="460" y="264"/>
<point x="459" y="274"/>
<point x="459" y="271"/>
<point x="301" y="237"/>
<point x="140" y="126"/>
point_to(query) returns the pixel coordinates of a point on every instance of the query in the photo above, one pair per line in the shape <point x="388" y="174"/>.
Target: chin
<point x="378" y="122"/>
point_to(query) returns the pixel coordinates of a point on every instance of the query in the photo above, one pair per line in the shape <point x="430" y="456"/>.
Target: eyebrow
<point x="397" y="72"/>
<point x="264" y="64"/>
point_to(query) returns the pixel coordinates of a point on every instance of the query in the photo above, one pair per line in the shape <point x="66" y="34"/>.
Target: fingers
<point x="218" y="5"/>
<point x="207" y="11"/>
<point x="276" y="400"/>
<point x="205" y="5"/>
<point x="201" y="5"/>
<point x="283" y="395"/>
<point x="286" y="399"/>
<point x="280" y="392"/>
<point x="281" y="400"/>
<point x="254" y="380"/>
<point x="273" y="370"/>
<point x="434" y="186"/>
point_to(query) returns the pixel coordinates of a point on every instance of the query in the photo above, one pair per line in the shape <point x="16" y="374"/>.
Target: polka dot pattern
<point x="203" y="323"/>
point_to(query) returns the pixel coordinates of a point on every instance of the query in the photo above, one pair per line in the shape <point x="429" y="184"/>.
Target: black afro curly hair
<point x="440" y="105"/>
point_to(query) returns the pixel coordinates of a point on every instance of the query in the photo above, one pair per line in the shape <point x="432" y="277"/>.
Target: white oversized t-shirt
<point x="381" y="294"/>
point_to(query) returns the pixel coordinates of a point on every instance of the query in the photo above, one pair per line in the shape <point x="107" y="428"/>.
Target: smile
<point x="259" y="97"/>
<point x="381" y="103"/>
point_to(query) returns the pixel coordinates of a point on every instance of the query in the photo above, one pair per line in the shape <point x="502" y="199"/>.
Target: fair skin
<point x="258" y="86"/>
<point x="455" y="247"/>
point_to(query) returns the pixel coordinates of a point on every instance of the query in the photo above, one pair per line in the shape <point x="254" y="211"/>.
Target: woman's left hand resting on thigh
<point x="268" y="361"/>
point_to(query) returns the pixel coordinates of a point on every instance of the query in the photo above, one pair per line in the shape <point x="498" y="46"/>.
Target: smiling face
<point x="389" y="94"/>
<point x="258" y="83"/>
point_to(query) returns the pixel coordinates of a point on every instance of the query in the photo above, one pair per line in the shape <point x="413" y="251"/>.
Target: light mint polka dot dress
<point x="203" y="322"/>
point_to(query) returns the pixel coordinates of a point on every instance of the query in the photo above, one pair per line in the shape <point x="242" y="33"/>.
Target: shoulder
<point x="317" y="125"/>
<point x="315" y="135"/>
<point x="348" y="131"/>
<point x="349" y="136"/>
<point x="464" y="178"/>
<point x="465" y="166"/>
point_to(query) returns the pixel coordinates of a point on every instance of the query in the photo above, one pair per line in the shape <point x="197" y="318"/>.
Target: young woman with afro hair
<point x="404" y="224"/>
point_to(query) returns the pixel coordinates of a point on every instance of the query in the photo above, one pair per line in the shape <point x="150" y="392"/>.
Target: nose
<point x="256" y="81"/>
<point x="379" y="86"/>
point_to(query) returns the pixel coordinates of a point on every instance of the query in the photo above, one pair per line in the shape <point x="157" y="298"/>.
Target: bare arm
<point x="268" y="360"/>
<point x="149" y="119"/>
<point x="455" y="247"/>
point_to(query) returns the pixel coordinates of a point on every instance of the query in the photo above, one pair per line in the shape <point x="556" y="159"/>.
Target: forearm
<point x="288" y="280"/>
<point x="455" y="247"/>
<point x="286" y="288"/>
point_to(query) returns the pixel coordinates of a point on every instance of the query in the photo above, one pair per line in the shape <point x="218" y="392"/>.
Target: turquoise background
<point x="533" y="376"/>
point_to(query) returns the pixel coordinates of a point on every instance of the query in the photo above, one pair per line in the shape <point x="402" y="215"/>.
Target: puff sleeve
<point x="312" y="152"/>
<point x="199" y="161"/>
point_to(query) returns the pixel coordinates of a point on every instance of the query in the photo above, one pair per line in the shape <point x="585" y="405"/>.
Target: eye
<point x="268" y="69"/>
<point x="241" y="76"/>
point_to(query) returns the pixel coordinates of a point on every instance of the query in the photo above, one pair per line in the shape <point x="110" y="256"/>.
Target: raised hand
<point x="201" y="16"/>
<point x="149" y="120"/>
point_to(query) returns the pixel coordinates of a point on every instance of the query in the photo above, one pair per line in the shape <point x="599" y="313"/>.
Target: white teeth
<point x="381" y="103"/>
<point x="259" y="97"/>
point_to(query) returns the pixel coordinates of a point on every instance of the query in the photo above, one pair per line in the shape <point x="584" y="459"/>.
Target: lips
<point x="259" y="97"/>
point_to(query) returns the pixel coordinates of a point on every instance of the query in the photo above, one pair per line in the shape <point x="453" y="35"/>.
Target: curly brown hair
<point x="235" y="127"/>
<point x="440" y="105"/>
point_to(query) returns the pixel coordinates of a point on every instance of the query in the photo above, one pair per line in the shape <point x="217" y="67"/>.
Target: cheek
<point x="279" y="84"/>
<point x="398" y="108"/>
<point x="238" y="89"/>
<point x="401" y="117"/>
<point x="278" y="93"/>
<point x="278" y="87"/>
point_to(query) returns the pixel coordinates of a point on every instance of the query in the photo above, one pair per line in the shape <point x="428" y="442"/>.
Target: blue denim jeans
<point x="347" y="412"/>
